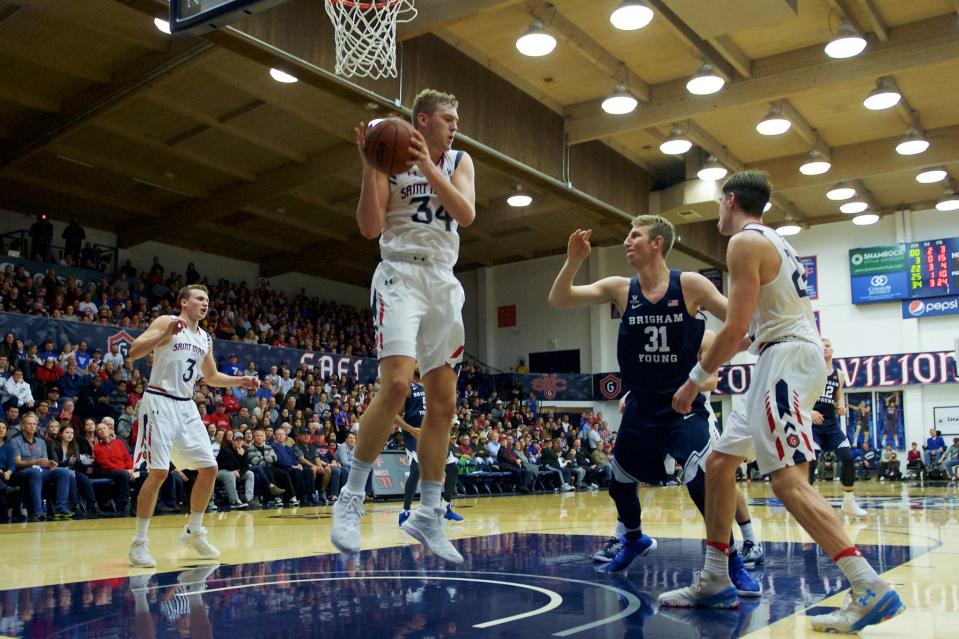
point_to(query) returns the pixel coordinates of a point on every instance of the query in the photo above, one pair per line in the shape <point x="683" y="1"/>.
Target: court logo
<point x="549" y="385"/>
<point x="610" y="386"/>
<point x="123" y="340"/>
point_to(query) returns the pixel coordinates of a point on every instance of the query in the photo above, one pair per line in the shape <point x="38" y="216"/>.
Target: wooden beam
<point x="690" y="38"/>
<point x="845" y="13"/>
<point x="914" y="45"/>
<point x="89" y="16"/>
<point x="874" y="18"/>
<point x="732" y="54"/>
<point x="435" y="14"/>
<point x="595" y="53"/>
<point x="30" y="99"/>
<point x="312" y="226"/>
<point x="802" y="128"/>
<point x="77" y="66"/>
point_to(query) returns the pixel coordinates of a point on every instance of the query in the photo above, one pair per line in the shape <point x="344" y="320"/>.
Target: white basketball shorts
<point x="418" y="313"/>
<point x="171" y="430"/>
<point x="776" y="427"/>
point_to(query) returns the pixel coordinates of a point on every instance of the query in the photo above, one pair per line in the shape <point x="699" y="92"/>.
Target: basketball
<point x="387" y="145"/>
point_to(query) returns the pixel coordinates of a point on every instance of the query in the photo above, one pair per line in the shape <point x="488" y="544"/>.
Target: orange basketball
<point x="387" y="144"/>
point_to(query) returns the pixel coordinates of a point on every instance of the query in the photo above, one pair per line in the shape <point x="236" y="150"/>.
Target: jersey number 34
<point x="425" y="215"/>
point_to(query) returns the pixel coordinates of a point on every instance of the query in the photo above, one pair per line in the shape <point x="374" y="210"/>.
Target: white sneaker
<point x="140" y="555"/>
<point x="425" y="525"/>
<point x="197" y="541"/>
<point x="193" y="581"/>
<point x="712" y="593"/>
<point x="566" y="488"/>
<point x="850" y="507"/>
<point x="863" y="607"/>
<point x="347" y="512"/>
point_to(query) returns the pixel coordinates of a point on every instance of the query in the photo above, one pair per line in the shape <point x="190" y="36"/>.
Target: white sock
<point x="195" y="522"/>
<point x="857" y="570"/>
<point x="620" y="529"/>
<point x="848" y="495"/>
<point x="717" y="564"/>
<point x="747" y="531"/>
<point x="359" y="473"/>
<point x="431" y="494"/>
<point x="143" y="525"/>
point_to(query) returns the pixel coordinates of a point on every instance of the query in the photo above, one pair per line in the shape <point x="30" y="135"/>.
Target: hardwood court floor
<point x="527" y="572"/>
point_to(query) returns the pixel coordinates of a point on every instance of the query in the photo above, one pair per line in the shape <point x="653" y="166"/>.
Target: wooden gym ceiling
<point x="188" y="140"/>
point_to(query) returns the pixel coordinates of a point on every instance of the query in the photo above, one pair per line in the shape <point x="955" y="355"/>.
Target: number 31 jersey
<point x="416" y="221"/>
<point x="658" y="343"/>
<point x="176" y="366"/>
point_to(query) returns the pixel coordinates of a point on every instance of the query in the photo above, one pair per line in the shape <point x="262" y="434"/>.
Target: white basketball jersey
<point x="176" y="366"/>
<point x="783" y="311"/>
<point x="416" y="221"/>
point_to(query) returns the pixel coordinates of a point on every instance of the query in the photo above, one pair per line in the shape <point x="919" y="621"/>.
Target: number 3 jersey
<point x="658" y="344"/>
<point x="176" y="366"/>
<point x="416" y="221"/>
<point x="783" y="311"/>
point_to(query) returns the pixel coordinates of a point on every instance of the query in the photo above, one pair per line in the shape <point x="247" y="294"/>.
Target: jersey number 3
<point x="424" y="214"/>
<point x="188" y="375"/>
<point x="799" y="275"/>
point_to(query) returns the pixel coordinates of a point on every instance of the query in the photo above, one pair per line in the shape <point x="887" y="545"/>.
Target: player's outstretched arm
<point x="160" y="332"/>
<point x="564" y="294"/>
<point x="374" y="193"/>
<point x="213" y="377"/>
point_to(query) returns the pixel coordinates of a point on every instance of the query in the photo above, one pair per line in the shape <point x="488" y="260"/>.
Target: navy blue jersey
<point x="826" y="404"/>
<point x="658" y="344"/>
<point x="413" y="412"/>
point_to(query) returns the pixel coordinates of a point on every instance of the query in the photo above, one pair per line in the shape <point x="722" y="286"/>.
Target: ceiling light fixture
<point x="788" y="227"/>
<point x="676" y="143"/>
<point x="712" y="170"/>
<point x="816" y="164"/>
<point x="949" y="202"/>
<point x="847" y="43"/>
<point x="620" y="102"/>
<point x="705" y="81"/>
<point x="162" y="25"/>
<point x="840" y="192"/>
<point x="631" y="15"/>
<point x="913" y="144"/>
<point x="282" y="76"/>
<point x="865" y="219"/>
<point x="519" y="198"/>
<point x="536" y="42"/>
<point x="773" y="123"/>
<point x="931" y="176"/>
<point x="884" y="96"/>
<point x="856" y="206"/>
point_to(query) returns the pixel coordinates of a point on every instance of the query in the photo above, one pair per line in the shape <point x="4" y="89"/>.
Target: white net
<point x="366" y="35"/>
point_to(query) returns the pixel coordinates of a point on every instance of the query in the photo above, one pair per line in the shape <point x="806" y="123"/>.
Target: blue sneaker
<point x="404" y="515"/>
<point x="632" y="548"/>
<point x="745" y="585"/>
<point x="863" y="607"/>
<point x="705" y="593"/>
<point x="450" y="514"/>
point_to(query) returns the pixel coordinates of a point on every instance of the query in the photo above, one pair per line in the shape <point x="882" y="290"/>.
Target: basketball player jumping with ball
<point x="417" y="310"/>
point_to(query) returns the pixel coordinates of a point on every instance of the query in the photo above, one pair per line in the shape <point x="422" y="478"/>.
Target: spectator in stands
<point x="870" y="461"/>
<point x="114" y="356"/>
<point x="44" y="416"/>
<point x="549" y="457"/>
<point x="35" y="470"/>
<point x="70" y="382"/>
<point x="508" y="460"/>
<point x="914" y="460"/>
<point x="66" y="453"/>
<point x="19" y="389"/>
<point x="260" y="455"/>
<point x="10" y="350"/>
<point x="73" y="236"/>
<point x="950" y="460"/>
<point x="12" y="416"/>
<point x="521" y="367"/>
<point x="320" y="473"/>
<point x="596" y="475"/>
<point x="892" y="471"/>
<point x="82" y="355"/>
<point x="233" y="467"/>
<point x="9" y="494"/>
<point x="41" y="236"/>
<point x="124" y="426"/>
<point x="935" y="448"/>
<point x="48" y="375"/>
<point x="114" y="462"/>
<point x="66" y="414"/>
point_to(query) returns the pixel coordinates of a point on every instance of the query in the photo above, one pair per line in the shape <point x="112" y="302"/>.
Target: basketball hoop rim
<point x="365" y="6"/>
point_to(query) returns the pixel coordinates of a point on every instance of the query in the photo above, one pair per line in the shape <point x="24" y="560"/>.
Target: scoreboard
<point x="199" y="16"/>
<point x="905" y="271"/>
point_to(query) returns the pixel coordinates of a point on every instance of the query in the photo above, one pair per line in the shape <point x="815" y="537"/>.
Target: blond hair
<point x="658" y="227"/>
<point x="187" y="290"/>
<point x="427" y="99"/>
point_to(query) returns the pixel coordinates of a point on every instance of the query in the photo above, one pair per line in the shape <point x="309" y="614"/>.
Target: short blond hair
<point x="187" y="290"/>
<point x="427" y="99"/>
<point x="658" y="227"/>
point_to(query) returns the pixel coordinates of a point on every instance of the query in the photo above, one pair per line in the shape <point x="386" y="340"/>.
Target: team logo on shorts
<point x="124" y="341"/>
<point x="610" y="386"/>
<point x="549" y="385"/>
<point x="793" y="441"/>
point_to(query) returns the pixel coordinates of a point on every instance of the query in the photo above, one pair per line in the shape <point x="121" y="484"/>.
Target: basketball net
<point x="366" y="35"/>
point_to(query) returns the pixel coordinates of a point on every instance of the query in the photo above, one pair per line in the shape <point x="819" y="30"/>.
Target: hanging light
<point x="631" y="15"/>
<point x="847" y="43"/>
<point x="773" y="123"/>
<point x="816" y="164"/>
<point x="949" y="202"/>
<point x="865" y="219"/>
<point x="282" y="76"/>
<point x="884" y="96"/>
<point x="676" y="143"/>
<point x="712" y="170"/>
<point x="705" y="81"/>
<point x="620" y="101"/>
<point x="536" y="41"/>
<point x="931" y="176"/>
<point x="519" y="198"/>
<point x="788" y="227"/>
<point x="767" y="206"/>
<point x="841" y="192"/>
<point x="856" y="206"/>
<point x="912" y="144"/>
<point x="162" y="25"/>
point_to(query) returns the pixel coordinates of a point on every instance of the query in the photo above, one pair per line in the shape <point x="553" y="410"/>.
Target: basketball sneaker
<point x="864" y="606"/>
<point x="851" y="507"/>
<point x="451" y="514"/>
<point x="197" y="541"/>
<point x="140" y="555"/>
<point x="425" y="525"/>
<point x="707" y="592"/>
<point x="745" y="585"/>
<point x="610" y="547"/>
<point x="630" y="550"/>
<point x="752" y="552"/>
<point x="193" y="581"/>
<point x="404" y="515"/>
<point x="347" y="512"/>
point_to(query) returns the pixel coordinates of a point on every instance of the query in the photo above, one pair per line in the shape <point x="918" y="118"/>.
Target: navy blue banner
<point x="564" y="387"/>
<point x="933" y="307"/>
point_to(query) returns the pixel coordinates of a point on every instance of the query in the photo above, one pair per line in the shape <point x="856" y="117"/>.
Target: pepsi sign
<point x="930" y="307"/>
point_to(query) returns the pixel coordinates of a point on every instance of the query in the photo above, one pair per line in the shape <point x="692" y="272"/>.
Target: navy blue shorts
<point x="829" y="436"/>
<point x="644" y="440"/>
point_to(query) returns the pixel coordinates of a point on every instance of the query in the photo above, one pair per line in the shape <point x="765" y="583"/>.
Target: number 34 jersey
<point x="416" y="222"/>
<point x="176" y="366"/>
<point x="658" y="343"/>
